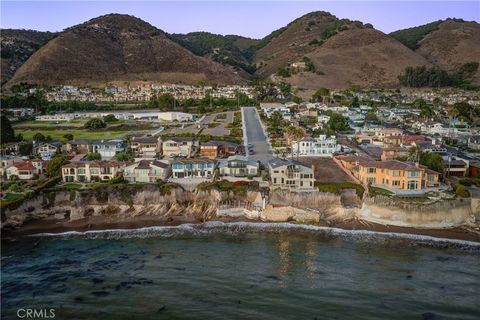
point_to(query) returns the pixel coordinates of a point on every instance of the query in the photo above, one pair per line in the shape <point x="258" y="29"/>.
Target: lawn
<point x="375" y="191"/>
<point x="77" y="134"/>
<point x="10" y="196"/>
<point x="337" y="187"/>
<point x="70" y="186"/>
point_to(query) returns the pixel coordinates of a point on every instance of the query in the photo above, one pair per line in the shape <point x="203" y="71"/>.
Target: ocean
<point x="240" y="271"/>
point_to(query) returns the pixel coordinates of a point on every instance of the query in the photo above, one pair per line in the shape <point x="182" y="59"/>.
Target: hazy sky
<point x="248" y="18"/>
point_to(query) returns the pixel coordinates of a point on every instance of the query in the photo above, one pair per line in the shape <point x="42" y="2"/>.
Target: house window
<point x="413" y="174"/>
<point x="371" y="170"/>
<point x="412" y="185"/>
<point x="396" y="173"/>
<point x="396" y="183"/>
<point x="371" y="180"/>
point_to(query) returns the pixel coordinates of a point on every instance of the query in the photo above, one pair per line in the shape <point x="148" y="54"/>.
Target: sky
<point x="254" y="19"/>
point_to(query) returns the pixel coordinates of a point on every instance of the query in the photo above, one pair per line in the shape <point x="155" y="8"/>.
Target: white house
<point x="46" y="150"/>
<point x="108" y="149"/>
<point x="291" y="175"/>
<point x="146" y="171"/>
<point x="238" y="166"/>
<point x="25" y="170"/>
<point x="321" y="146"/>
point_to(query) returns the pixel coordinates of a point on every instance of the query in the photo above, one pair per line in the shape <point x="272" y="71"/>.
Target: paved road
<point x="256" y="136"/>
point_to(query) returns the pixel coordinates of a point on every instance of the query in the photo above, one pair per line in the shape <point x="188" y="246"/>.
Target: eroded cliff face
<point x="127" y="203"/>
<point x="119" y="202"/>
<point x="439" y="214"/>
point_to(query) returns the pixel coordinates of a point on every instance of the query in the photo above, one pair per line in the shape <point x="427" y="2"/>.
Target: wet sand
<point x="105" y="223"/>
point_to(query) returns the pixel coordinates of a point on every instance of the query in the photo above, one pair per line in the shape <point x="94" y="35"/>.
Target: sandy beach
<point x="104" y="223"/>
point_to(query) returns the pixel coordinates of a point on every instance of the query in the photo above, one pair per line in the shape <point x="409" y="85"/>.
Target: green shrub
<point x="461" y="190"/>
<point x="337" y="187"/>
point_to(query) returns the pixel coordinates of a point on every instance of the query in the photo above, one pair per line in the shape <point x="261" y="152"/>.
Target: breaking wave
<point x="234" y="228"/>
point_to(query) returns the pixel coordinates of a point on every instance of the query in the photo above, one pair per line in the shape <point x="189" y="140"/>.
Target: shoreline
<point x="101" y="223"/>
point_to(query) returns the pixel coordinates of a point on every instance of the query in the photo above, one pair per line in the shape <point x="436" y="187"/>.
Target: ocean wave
<point x="218" y="227"/>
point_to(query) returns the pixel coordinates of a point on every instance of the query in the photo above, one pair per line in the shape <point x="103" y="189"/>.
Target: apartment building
<point x="321" y="146"/>
<point x="291" y="175"/>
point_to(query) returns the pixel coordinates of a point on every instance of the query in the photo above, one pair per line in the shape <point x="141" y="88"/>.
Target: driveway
<point x="256" y="136"/>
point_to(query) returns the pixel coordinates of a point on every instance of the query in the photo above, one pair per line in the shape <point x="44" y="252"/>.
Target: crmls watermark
<point x="29" y="313"/>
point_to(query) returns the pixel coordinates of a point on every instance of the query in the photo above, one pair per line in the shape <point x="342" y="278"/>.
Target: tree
<point x="414" y="153"/>
<point x="201" y="109"/>
<point x="355" y="102"/>
<point x="110" y="118"/>
<point x="320" y="94"/>
<point x="296" y="134"/>
<point x="309" y="66"/>
<point x="285" y="89"/>
<point x="337" y="122"/>
<point x="283" y="72"/>
<point x="432" y="160"/>
<point x="68" y="136"/>
<point x="7" y="133"/>
<point x="54" y="166"/>
<point x="39" y="137"/>
<point x="95" y="123"/>
<point x="371" y="117"/>
<point x="25" y="149"/>
<point x="297" y="99"/>
<point x="166" y="101"/>
<point x="94" y="156"/>
<point x="124" y="156"/>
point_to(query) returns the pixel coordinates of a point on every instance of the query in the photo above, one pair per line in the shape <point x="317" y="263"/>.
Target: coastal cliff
<point x="120" y="203"/>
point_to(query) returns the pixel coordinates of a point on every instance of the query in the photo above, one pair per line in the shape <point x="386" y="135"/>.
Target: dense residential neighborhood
<point x="406" y="144"/>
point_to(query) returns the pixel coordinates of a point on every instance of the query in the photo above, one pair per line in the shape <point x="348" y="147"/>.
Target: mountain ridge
<point x="130" y="49"/>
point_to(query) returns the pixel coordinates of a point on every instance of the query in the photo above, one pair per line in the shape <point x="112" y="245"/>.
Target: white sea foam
<point x="212" y="227"/>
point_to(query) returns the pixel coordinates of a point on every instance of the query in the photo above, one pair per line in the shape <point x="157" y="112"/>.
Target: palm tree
<point x="295" y="134"/>
<point x="414" y="154"/>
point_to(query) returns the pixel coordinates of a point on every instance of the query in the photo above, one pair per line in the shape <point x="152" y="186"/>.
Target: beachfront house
<point x="396" y="175"/>
<point x="193" y="168"/>
<point x="291" y="175"/>
<point x="238" y="166"/>
<point x="146" y="171"/>
<point x="89" y="171"/>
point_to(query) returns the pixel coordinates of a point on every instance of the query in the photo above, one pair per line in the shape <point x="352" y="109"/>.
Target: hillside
<point x="17" y="46"/>
<point x="411" y="37"/>
<point x="364" y="57"/>
<point x="118" y="48"/>
<point x="230" y="50"/>
<point x="298" y="38"/>
<point x="453" y="44"/>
